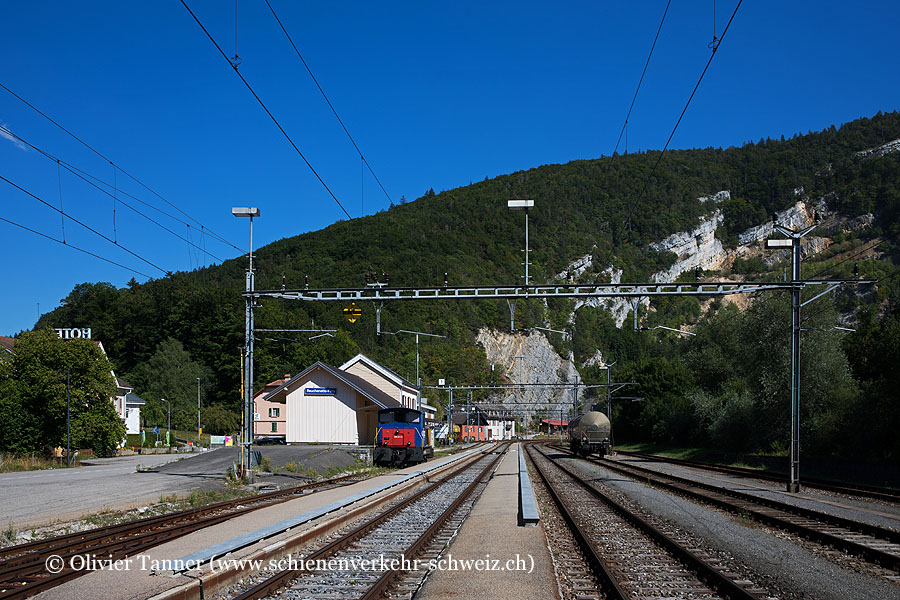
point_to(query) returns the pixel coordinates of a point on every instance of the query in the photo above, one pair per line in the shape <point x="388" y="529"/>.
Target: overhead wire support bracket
<point x="611" y="290"/>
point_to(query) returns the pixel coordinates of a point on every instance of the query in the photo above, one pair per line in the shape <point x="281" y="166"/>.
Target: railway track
<point x="378" y="557"/>
<point x="630" y="557"/>
<point x="863" y="491"/>
<point x="877" y="545"/>
<point x="23" y="571"/>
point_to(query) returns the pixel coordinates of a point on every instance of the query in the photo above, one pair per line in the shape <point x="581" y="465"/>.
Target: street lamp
<point x="199" y="431"/>
<point x="418" y="380"/>
<point x="248" y="211"/>
<point x="523" y="205"/>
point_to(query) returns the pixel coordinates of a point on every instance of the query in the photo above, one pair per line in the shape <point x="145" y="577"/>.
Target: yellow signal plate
<point x="352" y="312"/>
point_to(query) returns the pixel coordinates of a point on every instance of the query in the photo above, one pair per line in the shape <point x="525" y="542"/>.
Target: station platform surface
<point x="492" y="533"/>
<point x="140" y="581"/>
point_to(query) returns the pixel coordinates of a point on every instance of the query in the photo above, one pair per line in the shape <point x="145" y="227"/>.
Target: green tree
<point x="33" y="395"/>
<point x="169" y="378"/>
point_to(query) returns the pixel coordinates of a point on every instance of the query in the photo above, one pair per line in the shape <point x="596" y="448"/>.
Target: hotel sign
<point x="74" y="333"/>
<point x="319" y="391"/>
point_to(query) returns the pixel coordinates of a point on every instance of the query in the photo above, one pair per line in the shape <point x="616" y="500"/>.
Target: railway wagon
<point x="402" y="438"/>
<point x="589" y="434"/>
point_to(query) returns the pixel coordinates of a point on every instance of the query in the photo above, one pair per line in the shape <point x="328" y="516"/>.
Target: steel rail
<point x="869" y="491"/>
<point x="284" y="577"/>
<point x="379" y="589"/>
<point x="701" y="568"/>
<point x="61" y="541"/>
<point x="24" y="574"/>
<point x="597" y="564"/>
<point x="757" y="507"/>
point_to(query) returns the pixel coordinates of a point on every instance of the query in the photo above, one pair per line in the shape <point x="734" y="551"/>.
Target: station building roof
<point x="359" y="384"/>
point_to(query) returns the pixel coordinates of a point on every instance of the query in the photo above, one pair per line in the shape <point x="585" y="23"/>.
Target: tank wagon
<point x="402" y="438"/>
<point x="589" y="434"/>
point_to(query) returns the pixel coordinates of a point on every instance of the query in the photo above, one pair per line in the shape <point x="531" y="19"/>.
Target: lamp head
<point x="245" y="211"/>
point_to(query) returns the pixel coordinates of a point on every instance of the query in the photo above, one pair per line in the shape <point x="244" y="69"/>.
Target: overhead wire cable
<point x="640" y="82"/>
<point x="88" y="227"/>
<point x="268" y="112"/>
<point x="132" y="177"/>
<point x="63" y="242"/>
<point x="86" y="178"/>
<point x="115" y="234"/>
<point x="70" y="167"/>
<point x="62" y="219"/>
<point x="684" y="110"/>
<point x="330" y="105"/>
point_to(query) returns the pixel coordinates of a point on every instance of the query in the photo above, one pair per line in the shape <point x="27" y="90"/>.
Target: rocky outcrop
<point x="879" y="151"/>
<point x="529" y="359"/>
<point x="695" y="249"/>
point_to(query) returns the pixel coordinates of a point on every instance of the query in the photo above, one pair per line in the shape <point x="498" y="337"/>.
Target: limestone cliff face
<point x="529" y="359"/>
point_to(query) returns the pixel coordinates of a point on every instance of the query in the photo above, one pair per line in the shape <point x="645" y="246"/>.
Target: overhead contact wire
<point x="88" y="227"/>
<point x="640" y="82"/>
<point x="265" y="108"/>
<point x="63" y="242"/>
<point x="684" y="110"/>
<point x="316" y="81"/>
<point x="84" y="177"/>
<point x="132" y="177"/>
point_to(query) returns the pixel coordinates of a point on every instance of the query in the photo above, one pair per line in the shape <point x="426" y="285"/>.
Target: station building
<point x="328" y="404"/>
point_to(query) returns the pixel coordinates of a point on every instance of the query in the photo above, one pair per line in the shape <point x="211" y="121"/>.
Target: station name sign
<point x="319" y="391"/>
<point x="74" y="333"/>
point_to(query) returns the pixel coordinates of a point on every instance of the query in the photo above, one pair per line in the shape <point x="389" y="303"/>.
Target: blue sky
<point x="436" y="95"/>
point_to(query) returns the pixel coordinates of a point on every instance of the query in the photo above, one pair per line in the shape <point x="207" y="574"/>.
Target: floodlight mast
<point x="248" y="211"/>
<point x="523" y="205"/>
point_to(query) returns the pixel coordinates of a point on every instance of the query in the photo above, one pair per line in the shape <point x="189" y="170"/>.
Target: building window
<point x="481" y="430"/>
<point x="274" y="426"/>
<point x="273" y="412"/>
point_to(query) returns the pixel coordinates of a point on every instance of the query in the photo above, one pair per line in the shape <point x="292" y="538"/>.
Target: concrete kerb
<point x="204" y="584"/>
<point x="528" y="511"/>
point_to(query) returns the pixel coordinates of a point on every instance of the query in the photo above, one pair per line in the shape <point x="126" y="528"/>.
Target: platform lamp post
<point x="248" y="211"/>
<point x="418" y="379"/>
<point x="199" y="429"/>
<point x="793" y="242"/>
<point x="523" y="205"/>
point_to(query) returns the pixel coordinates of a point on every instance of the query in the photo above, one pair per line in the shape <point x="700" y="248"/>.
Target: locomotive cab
<point x="401" y="438"/>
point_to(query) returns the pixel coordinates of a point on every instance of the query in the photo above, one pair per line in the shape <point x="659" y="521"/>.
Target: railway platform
<point x="139" y="579"/>
<point x="515" y="561"/>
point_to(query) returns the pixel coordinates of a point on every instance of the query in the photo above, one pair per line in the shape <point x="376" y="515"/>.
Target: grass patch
<point x="16" y="463"/>
<point x="705" y="455"/>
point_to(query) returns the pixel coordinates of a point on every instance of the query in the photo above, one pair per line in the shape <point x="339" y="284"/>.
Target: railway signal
<point x="352" y="312"/>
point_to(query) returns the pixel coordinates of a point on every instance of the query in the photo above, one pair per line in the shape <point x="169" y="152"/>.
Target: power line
<point x="265" y="108"/>
<point x="88" y="227"/>
<point x="644" y="72"/>
<point x="684" y="110"/>
<point x="308" y="70"/>
<point x="132" y="177"/>
<point x="64" y="243"/>
<point x="78" y="173"/>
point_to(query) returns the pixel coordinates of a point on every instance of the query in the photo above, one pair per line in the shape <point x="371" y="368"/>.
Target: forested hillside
<point x="612" y="208"/>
